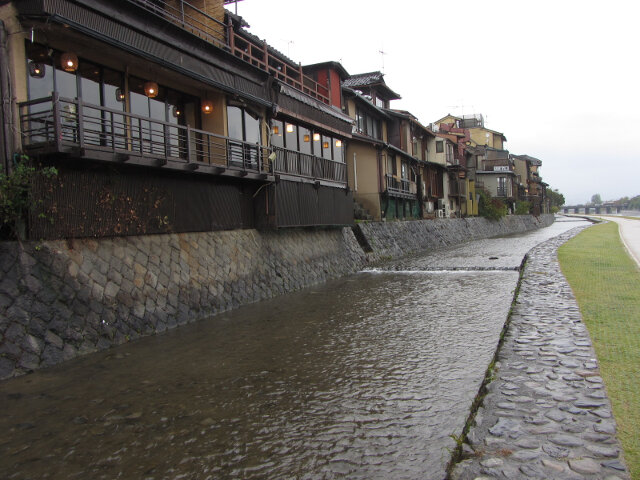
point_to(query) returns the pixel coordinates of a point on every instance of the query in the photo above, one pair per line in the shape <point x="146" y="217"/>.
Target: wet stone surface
<point x="364" y="377"/>
<point x="562" y="426"/>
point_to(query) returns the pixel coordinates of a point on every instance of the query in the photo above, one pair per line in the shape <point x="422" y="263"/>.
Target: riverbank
<point x="546" y="413"/>
<point x="605" y="282"/>
<point x="62" y="299"/>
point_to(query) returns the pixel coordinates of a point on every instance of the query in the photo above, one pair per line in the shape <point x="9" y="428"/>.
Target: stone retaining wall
<point x="61" y="299"/>
<point x="394" y="239"/>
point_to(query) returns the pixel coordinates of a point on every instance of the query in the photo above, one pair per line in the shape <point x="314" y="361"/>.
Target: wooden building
<point x="168" y="116"/>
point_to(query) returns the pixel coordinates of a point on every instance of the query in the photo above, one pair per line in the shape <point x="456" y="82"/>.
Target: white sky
<point x="560" y="78"/>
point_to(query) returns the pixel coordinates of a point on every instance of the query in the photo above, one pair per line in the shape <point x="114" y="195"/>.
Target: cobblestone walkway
<point x="546" y="413"/>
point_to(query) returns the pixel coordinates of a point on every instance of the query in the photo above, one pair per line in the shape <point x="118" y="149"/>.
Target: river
<point x="368" y="376"/>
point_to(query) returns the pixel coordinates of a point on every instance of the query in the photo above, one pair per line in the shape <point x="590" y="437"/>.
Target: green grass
<point x="606" y="283"/>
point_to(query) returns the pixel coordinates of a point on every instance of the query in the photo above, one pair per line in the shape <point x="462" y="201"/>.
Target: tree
<point x="595" y="199"/>
<point x="556" y="198"/>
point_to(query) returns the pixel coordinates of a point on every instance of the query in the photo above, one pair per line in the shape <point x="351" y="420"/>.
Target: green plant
<point x="555" y="209"/>
<point x="604" y="280"/>
<point x="489" y="207"/>
<point x="16" y="196"/>
<point x="523" y="207"/>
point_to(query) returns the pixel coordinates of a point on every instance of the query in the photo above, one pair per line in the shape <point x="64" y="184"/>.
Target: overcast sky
<point x="561" y="78"/>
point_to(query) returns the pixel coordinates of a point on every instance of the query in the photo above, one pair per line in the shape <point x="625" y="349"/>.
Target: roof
<point x="331" y="64"/>
<point x="371" y="79"/>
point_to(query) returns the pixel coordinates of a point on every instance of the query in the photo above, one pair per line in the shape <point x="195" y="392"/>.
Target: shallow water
<point x="363" y="377"/>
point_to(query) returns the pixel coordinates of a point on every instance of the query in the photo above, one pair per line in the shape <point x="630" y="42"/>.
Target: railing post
<point x="231" y="39"/>
<point x="188" y="140"/>
<point x="113" y="132"/>
<point x="80" y="115"/>
<point x="140" y="136"/>
<point x="57" y="125"/>
<point x="165" y="140"/>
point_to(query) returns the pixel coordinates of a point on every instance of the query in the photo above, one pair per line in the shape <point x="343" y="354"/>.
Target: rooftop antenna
<point x="382" y="54"/>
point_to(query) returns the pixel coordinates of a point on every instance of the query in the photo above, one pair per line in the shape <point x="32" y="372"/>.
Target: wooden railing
<point x="189" y="18"/>
<point x="60" y="123"/>
<point x="402" y="187"/>
<point x="300" y="164"/>
<point x="200" y="23"/>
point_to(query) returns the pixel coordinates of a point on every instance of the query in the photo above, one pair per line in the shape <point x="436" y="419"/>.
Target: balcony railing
<point x="300" y="164"/>
<point x="253" y="51"/>
<point x="189" y="18"/>
<point x="61" y="124"/>
<point x="401" y="187"/>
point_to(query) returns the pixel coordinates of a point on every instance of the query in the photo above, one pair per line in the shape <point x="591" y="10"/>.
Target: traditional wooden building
<point x="168" y="117"/>
<point x="531" y="188"/>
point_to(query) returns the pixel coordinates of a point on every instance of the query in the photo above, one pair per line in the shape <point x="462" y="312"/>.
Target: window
<point x="243" y="125"/>
<point x="392" y="168"/>
<point x="502" y="187"/>
<point x="367" y="124"/>
<point x="439" y="146"/>
<point x="304" y="140"/>
<point x="277" y="137"/>
<point x="380" y="103"/>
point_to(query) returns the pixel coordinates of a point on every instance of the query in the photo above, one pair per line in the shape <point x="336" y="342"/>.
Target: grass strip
<point x="606" y="283"/>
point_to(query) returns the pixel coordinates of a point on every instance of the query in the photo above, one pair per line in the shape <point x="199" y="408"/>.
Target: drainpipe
<point x="6" y="117"/>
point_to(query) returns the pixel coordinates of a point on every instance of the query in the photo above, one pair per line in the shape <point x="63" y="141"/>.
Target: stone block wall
<point x="389" y="240"/>
<point x="61" y="299"/>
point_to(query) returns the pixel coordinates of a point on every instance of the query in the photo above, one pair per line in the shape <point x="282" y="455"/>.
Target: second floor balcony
<point x="62" y="125"/>
<point x="195" y="18"/>
<point x="400" y="188"/>
<point x="299" y="164"/>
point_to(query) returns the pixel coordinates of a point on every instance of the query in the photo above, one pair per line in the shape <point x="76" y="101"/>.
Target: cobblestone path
<point x="546" y="413"/>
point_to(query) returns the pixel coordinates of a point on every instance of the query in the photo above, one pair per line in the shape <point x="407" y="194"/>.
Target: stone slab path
<point x="546" y="413"/>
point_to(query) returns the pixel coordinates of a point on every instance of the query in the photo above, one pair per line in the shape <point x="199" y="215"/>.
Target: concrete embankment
<point x="61" y="299"/>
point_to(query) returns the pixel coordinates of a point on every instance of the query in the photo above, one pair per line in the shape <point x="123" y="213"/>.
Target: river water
<point x="363" y="377"/>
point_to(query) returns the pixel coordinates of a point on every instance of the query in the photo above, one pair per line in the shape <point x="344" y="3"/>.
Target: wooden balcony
<point x="400" y="188"/>
<point x="246" y="47"/>
<point x="61" y="125"/>
<point x="299" y="164"/>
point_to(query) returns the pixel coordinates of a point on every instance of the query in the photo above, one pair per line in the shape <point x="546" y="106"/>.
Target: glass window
<point x="326" y="147"/>
<point x="234" y="122"/>
<point x="317" y="144"/>
<point x="304" y="140"/>
<point x="338" y="150"/>
<point x="66" y="83"/>
<point x="360" y="121"/>
<point x="277" y="138"/>
<point x="251" y="127"/>
<point x="377" y="132"/>
<point x="439" y="146"/>
<point x="290" y="136"/>
<point x="392" y="169"/>
<point x="369" y="126"/>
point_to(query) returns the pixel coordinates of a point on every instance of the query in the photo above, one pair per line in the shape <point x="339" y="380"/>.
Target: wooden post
<point x="80" y="114"/>
<point x="57" y="126"/>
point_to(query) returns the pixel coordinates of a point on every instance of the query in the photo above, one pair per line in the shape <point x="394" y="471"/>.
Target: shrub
<point x="523" y="207"/>
<point x="16" y="197"/>
<point x="489" y="207"/>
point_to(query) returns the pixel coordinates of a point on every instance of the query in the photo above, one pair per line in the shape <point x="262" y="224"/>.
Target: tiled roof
<point x="364" y="79"/>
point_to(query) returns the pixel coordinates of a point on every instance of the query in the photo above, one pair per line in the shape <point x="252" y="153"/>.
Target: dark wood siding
<point x="99" y="201"/>
<point x="305" y="204"/>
